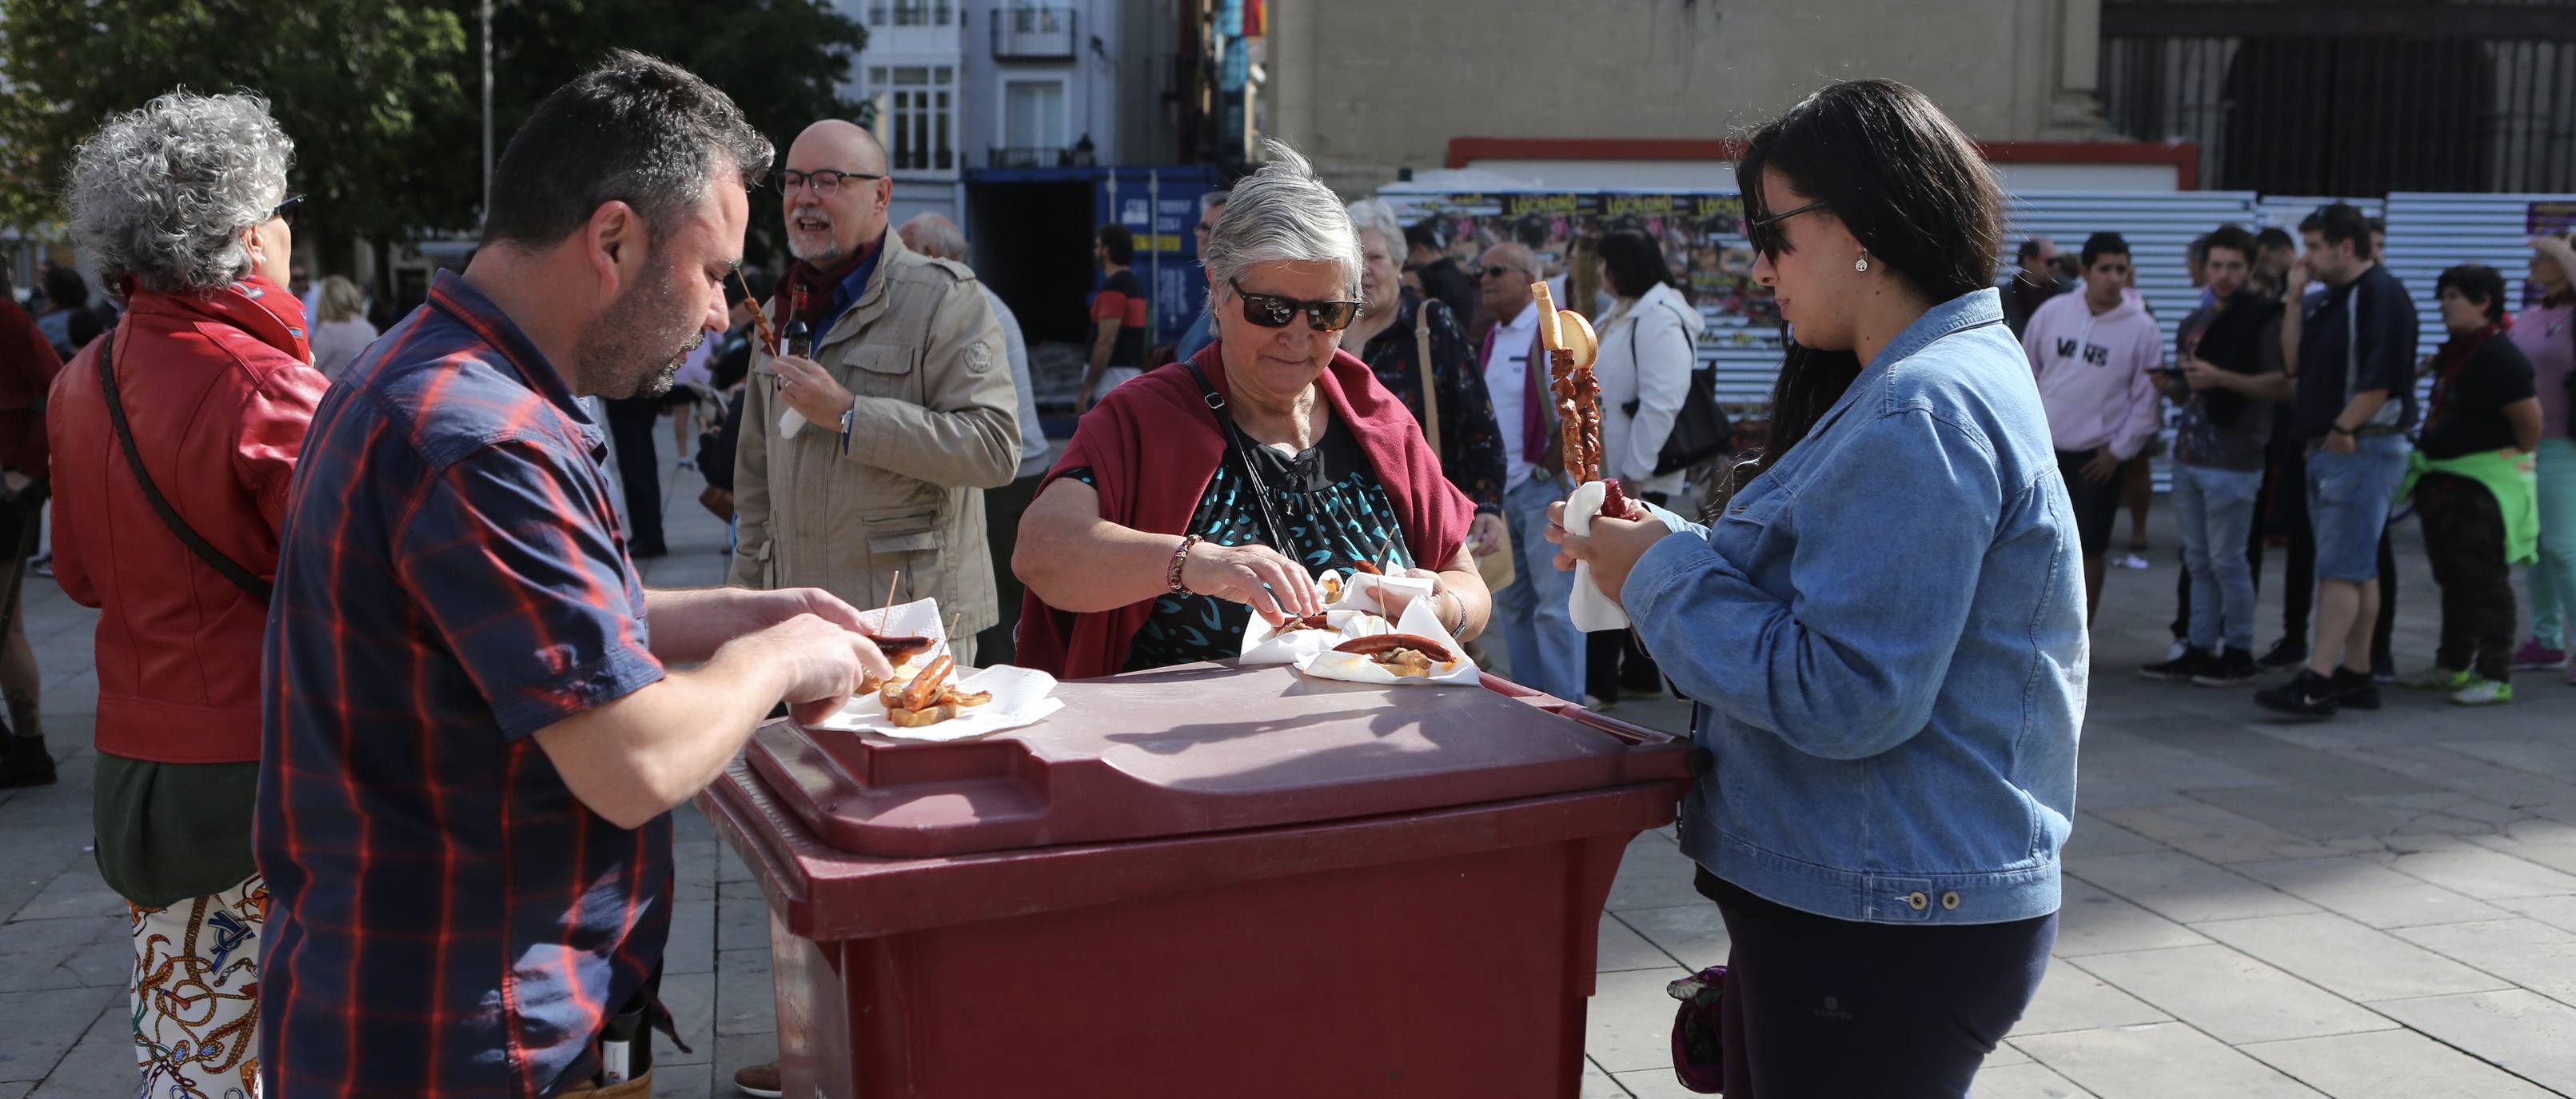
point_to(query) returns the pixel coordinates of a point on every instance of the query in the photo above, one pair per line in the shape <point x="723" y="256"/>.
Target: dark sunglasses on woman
<point x="1764" y="239"/>
<point x="1274" y="311"/>
<point x="286" y="210"/>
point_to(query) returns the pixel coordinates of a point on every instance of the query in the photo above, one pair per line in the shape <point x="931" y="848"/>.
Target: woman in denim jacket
<point x="1885" y="625"/>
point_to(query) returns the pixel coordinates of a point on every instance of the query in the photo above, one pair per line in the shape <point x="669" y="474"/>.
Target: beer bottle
<point x="798" y="337"/>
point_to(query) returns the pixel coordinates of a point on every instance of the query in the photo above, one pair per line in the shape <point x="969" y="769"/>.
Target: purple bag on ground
<point x="1699" y="1048"/>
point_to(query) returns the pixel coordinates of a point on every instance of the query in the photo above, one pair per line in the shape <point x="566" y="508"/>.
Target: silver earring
<point x="1861" y="264"/>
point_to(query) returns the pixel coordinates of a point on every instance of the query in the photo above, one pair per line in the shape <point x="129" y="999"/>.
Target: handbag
<point x="242" y="578"/>
<point x="1701" y="430"/>
<point x="1496" y="568"/>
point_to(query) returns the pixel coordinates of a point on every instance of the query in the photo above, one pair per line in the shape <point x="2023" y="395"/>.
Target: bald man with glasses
<point x="870" y="458"/>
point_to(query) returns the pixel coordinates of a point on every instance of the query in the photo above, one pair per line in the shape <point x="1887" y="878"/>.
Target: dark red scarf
<point x="1152" y="445"/>
<point x="819" y="284"/>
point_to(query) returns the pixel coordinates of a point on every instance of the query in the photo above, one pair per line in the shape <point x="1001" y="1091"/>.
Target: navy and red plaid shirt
<point x="449" y="920"/>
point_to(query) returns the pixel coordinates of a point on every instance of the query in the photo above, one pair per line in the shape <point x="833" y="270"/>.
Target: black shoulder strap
<point x="242" y="578"/>
<point x="1241" y="448"/>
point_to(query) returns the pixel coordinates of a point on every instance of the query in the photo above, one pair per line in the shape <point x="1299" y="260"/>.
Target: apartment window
<point x="920" y="111"/>
<point x="1033" y="120"/>
<point x="909" y="13"/>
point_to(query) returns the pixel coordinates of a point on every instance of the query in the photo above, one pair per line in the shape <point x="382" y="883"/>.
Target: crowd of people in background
<point x="2294" y="390"/>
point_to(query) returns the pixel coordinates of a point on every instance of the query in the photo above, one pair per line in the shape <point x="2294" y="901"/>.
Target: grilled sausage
<point x="1386" y="642"/>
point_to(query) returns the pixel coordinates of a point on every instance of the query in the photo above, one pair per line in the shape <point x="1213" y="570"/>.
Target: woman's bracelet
<point x="1180" y="556"/>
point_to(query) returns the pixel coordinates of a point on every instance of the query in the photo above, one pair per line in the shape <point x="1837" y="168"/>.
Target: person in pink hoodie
<point x="2093" y="354"/>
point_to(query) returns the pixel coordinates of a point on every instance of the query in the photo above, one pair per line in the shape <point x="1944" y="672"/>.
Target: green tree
<point x="783" y="62"/>
<point x="356" y="83"/>
<point x="383" y="97"/>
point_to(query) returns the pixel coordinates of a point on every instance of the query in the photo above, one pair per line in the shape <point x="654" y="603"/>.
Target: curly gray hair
<point x="1374" y="215"/>
<point x="1281" y="213"/>
<point x="163" y="193"/>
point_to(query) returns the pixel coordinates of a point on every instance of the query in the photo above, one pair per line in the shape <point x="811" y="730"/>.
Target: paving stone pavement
<point x="2379" y="906"/>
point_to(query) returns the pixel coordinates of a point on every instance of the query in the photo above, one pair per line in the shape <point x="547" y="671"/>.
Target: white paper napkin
<point x="919" y="618"/>
<point x="1591" y="610"/>
<point x="1362" y="591"/>
<point x="1420" y="620"/>
<point x="1020" y="697"/>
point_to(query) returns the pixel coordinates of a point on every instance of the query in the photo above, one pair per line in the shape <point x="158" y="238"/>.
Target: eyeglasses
<point x="1496" y="270"/>
<point x="1274" y="311"/>
<point x="1758" y="231"/>
<point x="286" y="210"/>
<point x="825" y="180"/>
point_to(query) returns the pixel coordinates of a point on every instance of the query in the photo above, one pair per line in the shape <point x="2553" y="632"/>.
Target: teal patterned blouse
<point x="1335" y="512"/>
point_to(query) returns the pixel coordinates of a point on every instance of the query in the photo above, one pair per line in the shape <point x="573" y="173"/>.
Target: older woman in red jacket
<point x="177" y="434"/>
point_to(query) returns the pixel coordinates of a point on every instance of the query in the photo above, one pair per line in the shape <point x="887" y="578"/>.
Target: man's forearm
<point x="1099" y="361"/>
<point x="639" y="757"/>
<point x="2361" y="408"/>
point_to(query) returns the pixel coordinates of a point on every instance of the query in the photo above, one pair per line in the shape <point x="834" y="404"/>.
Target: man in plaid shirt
<point x="472" y="740"/>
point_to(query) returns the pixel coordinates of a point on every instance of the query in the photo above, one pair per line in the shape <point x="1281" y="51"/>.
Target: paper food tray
<point x="1264" y="645"/>
<point x="1419" y="619"/>
<point x="1020" y="697"/>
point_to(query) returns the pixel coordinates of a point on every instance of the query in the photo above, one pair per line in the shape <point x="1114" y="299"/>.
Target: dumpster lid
<point x="1201" y="748"/>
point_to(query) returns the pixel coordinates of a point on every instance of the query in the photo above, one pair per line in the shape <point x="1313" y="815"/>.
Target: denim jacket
<point x="1886" y="634"/>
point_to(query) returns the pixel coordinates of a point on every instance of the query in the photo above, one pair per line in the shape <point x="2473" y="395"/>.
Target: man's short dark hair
<point x="637" y="130"/>
<point x="65" y="288"/>
<point x="2029" y="250"/>
<point x="2102" y="244"/>
<point x="2340" y="223"/>
<point x="2275" y="237"/>
<point x="2476" y="282"/>
<point x="2231" y="237"/>
<point x="1119" y="243"/>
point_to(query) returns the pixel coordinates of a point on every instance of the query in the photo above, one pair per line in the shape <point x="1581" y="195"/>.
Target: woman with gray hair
<point x="182" y="426"/>
<point x="1394" y="335"/>
<point x="1211" y="490"/>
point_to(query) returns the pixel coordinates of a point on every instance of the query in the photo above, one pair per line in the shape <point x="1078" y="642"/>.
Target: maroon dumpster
<point x="1198" y="881"/>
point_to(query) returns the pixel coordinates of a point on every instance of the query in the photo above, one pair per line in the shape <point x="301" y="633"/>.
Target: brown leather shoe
<point x="760" y="1080"/>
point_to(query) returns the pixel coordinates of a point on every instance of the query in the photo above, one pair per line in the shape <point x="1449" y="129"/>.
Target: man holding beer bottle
<point x="868" y="457"/>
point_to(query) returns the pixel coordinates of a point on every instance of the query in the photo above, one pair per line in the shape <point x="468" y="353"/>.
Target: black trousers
<point x="1002" y="509"/>
<point x="631" y="423"/>
<point x="1613" y="662"/>
<point x="2464" y="538"/>
<point x="1820" y="1008"/>
<point x="2285" y="512"/>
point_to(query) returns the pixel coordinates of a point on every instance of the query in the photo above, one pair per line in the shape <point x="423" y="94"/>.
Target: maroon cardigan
<point x="1152" y="445"/>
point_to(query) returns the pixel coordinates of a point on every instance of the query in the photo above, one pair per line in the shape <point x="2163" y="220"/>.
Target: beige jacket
<point x="935" y="423"/>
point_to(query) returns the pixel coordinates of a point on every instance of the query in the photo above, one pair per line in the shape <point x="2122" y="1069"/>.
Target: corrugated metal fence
<point x="2426" y="233"/>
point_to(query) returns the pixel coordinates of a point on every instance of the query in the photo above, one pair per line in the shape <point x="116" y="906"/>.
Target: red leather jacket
<point x="219" y="389"/>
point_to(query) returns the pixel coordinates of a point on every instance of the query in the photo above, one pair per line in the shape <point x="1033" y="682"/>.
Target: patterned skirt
<point x="196" y="994"/>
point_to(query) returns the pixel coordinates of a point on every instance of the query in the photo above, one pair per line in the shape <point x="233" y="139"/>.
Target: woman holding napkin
<point x="1884" y="627"/>
<point x="1211" y="490"/>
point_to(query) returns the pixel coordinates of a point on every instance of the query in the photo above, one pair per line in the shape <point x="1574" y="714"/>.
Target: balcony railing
<point x="1033" y="32"/>
<point x="1037" y="157"/>
<point x="911" y="13"/>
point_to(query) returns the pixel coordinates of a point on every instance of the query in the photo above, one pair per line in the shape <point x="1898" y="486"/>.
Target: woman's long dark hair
<point x="1636" y="262"/>
<point x="1907" y="184"/>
